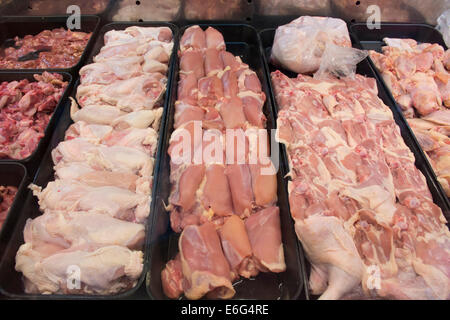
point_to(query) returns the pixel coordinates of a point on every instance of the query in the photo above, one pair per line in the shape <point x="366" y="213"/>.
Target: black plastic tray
<point x="32" y="161"/>
<point x="373" y="40"/>
<point x="241" y="40"/>
<point x="11" y="284"/>
<point x="365" y="68"/>
<point x="11" y="26"/>
<point x="12" y="174"/>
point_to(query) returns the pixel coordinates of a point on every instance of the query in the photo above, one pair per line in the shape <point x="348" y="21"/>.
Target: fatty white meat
<point x="59" y="230"/>
<point x="101" y="269"/>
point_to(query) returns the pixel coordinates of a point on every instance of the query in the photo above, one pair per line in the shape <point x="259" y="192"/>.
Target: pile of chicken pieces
<point x="89" y="239"/>
<point x="224" y="209"/>
<point x="362" y="210"/>
<point x="419" y="79"/>
<point x="7" y="195"/>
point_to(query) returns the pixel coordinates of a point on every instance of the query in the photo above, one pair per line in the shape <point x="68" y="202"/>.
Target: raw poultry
<point x="214" y="10"/>
<point x="362" y="210"/>
<point x="7" y="194"/>
<point x="222" y="203"/>
<point x="25" y="110"/>
<point x="95" y="211"/>
<point x="57" y="48"/>
<point x="419" y="79"/>
<point x="128" y="10"/>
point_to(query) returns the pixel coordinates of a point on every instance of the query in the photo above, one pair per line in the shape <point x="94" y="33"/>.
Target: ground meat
<point x="60" y="49"/>
<point x="7" y="195"/>
<point x="25" y="110"/>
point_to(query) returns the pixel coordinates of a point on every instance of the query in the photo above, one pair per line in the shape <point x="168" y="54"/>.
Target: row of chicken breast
<point x="90" y="236"/>
<point x="222" y="204"/>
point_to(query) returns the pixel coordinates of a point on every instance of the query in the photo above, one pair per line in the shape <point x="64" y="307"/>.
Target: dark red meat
<point x="25" y="110"/>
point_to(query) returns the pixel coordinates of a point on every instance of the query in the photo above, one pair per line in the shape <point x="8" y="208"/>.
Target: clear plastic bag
<point x="339" y="61"/>
<point x="444" y="26"/>
<point x="299" y="45"/>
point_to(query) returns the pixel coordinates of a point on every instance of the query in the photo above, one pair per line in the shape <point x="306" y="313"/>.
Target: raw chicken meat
<point x="193" y="37"/>
<point x="204" y="266"/>
<point x="142" y="139"/>
<point x="432" y="133"/>
<point x="298" y="46"/>
<point x="97" y="114"/>
<point x="214" y="39"/>
<point x="83" y="172"/>
<point x="91" y="236"/>
<point x="109" y="115"/>
<point x="48" y="8"/>
<point x="147" y="33"/>
<point x="418" y="77"/>
<point x="142" y="92"/>
<point x="134" y="41"/>
<point x="147" y="11"/>
<point x="220" y="200"/>
<point x="101" y="269"/>
<point x="25" y="110"/>
<point x="102" y="157"/>
<point x="362" y="210"/>
<point x="57" y="48"/>
<point x="91" y="132"/>
<point x="75" y="196"/>
<point x="64" y="229"/>
<point x="214" y="10"/>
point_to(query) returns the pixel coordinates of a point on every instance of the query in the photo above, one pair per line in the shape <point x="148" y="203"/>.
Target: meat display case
<point x="244" y="41"/>
<point x="374" y="41"/>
